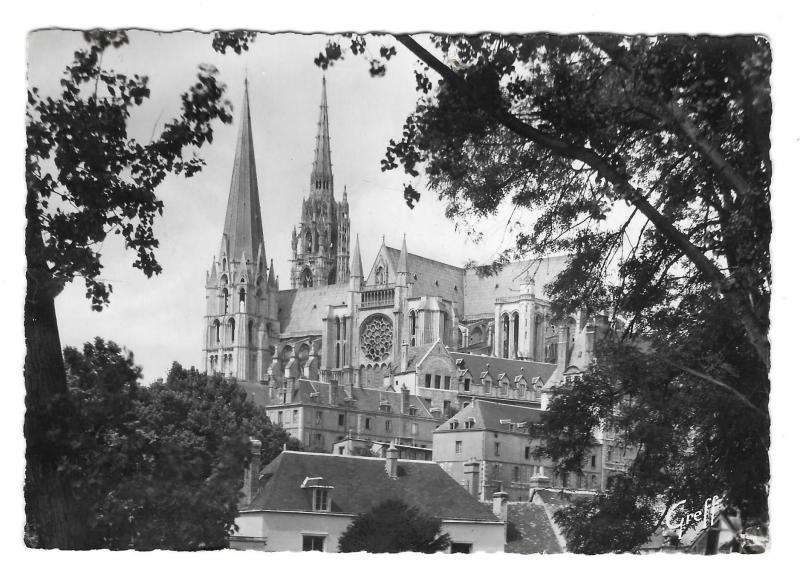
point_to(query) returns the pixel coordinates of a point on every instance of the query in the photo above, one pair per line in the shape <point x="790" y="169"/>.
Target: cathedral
<point x="369" y="327"/>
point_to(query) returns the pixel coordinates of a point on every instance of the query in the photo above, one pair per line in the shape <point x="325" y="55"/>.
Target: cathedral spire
<point x="322" y="170"/>
<point x="243" y="229"/>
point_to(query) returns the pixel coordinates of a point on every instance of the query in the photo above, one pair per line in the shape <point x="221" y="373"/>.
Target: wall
<point x="283" y="531"/>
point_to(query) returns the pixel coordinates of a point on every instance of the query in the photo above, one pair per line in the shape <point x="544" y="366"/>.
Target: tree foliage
<point x="88" y="178"/>
<point x="670" y="133"/>
<point x="394" y="527"/>
<point x="157" y="467"/>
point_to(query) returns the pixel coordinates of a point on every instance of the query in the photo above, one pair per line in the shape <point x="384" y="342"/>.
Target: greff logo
<point x="711" y="509"/>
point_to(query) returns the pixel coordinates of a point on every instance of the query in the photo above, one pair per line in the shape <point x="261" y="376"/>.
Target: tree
<point x="157" y="467"/>
<point x="393" y="526"/>
<point x="674" y="131"/>
<point x="87" y="178"/>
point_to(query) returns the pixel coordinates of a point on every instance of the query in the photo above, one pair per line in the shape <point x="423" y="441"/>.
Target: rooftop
<point x="360" y="483"/>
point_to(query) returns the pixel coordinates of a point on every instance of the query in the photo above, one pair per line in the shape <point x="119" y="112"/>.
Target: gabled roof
<point x="476" y="363"/>
<point x="530" y="531"/>
<point x="364" y="399"/>
<point x="488" y="414"/>
<point x="360" y="483"/>
<point x="554" y="499"/>
<point x="428" y="277"/>
<point x="480" y="293"/>
<point x="300" y="311"/>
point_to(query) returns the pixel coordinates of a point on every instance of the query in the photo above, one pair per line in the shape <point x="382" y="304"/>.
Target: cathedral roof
<point x="360" y="483"/>
<point x="480" y="293"/>
<point x="243" y="229"/>
<point x="301" y="310"/>
<point x="428" y="277"/>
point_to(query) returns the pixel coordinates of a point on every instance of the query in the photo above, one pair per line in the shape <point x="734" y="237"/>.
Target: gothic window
<point x="332" y="276"/>
<point x="505" y="328"/>
<point x="338" y="329"/>
<point x="216" y="331"/>
<point x="250" y="332"/>
<point x="306" y="279"/>
<point x="445" y="330"/>
<point x="338" y="355"/>
<point x="242" y="295"/>
<point x="516" y="335"/>
<point x="232" y="326"/>
<point x="225" y="268"/>
<point x="412" y="327"/>
<point x="225" y="301"/>
<point x="344" y="328"/>
<point x="376" y="337"/>
<point x="309" y="241"/>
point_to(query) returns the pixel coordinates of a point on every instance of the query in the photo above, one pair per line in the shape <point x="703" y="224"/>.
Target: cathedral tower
<point x="321" y="242"/>
<point x="241" y="290"/>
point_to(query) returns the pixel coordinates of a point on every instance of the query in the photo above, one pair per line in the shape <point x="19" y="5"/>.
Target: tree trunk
<point x="53" y="519"/>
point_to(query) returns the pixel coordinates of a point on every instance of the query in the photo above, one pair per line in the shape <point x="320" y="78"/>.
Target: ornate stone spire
<point x="356" y="270"/>
<point x="243" y="230"/>
<point x="402" y="264"/>
<point x="322" y="170"/>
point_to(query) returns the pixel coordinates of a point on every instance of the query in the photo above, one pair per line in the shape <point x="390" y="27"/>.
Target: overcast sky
<point x="160" y="319"/>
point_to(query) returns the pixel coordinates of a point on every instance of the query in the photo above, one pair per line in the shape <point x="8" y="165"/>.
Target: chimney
<point x="404" y="399"/>
<point x="252" y="471"/>
<point x="404" y="356"/>
<point x="472" y="470"/>
<point x="391" y="462"/>
<point x="500" y="506"/>
<point x="538" y="482"/>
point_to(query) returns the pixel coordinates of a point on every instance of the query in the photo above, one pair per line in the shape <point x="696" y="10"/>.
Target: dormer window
<point x="454" y="425"/>
<point x="321" y="500"/>
<point x="412" y="410"/>
<point x="469" y="423"/>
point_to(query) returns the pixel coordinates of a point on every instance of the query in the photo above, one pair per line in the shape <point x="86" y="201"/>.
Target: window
<point x="414" y="428"/>
<point x="412" y="410"/>
<point x="313" y="543"/>
<point x="594" y="461"/>
<point x="280" y="417"/>
<point x="225" y="301"/>
<point x="465" y="548"/>
<point x="232" y="326"/>
<point x="446" y="385"/>
<point x="515" y="474"/>
<point x="454" y="425"/>
<point x="294" y="416"/>
<point x="242" y="295"/>
<point x="320" y="500"/>
<point x="318" y="418"/>
<point x="437" y="381"/>
<point x="388" y="425"/>
<point x="367" y="423"/>
<point x="496" y="448"/>
<point x="318" y="441"/>
<point x="458" y="446"/>
<point x="527" y="452"/>
<point x="466" y="384"/>
<point x="216" y="330"/>
<point x="427" y="381"/>
<point x="469" y="423"/>
<point x="341" y="419"/>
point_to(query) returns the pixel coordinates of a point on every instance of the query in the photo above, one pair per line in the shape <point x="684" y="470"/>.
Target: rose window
<point x="376" y="337"/>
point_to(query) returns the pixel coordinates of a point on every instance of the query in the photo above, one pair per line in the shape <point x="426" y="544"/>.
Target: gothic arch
<point x="306" y="277"/>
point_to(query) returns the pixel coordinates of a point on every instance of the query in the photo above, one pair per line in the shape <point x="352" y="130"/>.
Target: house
<point x="487" y="447"/>
<point x="319" y="414"/>
<point x="305" y="501"/>
<point x="371" y="448"/>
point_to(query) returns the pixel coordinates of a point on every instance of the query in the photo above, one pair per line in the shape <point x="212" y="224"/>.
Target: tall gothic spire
<point x="243" y="229"/>
<point x="402" y="265"/>
<point x="356" y="270"/>
<point x="322" y="170"/>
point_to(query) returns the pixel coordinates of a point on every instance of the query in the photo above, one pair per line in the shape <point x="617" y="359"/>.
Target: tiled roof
<point x="360" y="483"/>
<point x="364" y="399"/>
<point x="488" y="414"/>
<point x="530" y="531"/>
<point x="476" y="364"/>
<point x="480" y="293"/>
<point x="429" y="277"/>
<point x="556" y="499"/>
<point x="301" y="310"/>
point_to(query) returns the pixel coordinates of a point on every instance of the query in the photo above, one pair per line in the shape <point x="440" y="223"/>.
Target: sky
<point x="161" y="319"/>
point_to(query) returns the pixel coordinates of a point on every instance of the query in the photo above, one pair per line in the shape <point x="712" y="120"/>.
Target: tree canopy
<point x="646" y="161"/>
<point x="393" y="526"/>
<point x="87" y="178"/>
<point x="157" y="467"/>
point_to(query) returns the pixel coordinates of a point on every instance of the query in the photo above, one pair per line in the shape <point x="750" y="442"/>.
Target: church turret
<point x="321" y="242"/>
<point x="240" y="310"/>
